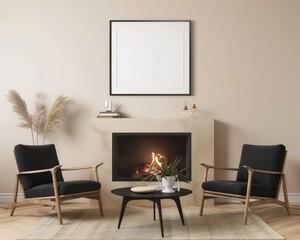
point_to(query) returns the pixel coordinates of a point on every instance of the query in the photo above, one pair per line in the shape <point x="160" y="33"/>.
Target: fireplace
<point x="133" y="152"/>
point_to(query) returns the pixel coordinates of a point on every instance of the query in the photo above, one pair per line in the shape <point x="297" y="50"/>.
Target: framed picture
<point x="150" y="57"/>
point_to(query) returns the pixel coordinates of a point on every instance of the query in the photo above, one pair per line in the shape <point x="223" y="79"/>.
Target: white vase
<point x="168" y="183"/>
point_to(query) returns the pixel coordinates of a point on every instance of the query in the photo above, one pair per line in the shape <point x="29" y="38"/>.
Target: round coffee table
<point x="155" y="197"/>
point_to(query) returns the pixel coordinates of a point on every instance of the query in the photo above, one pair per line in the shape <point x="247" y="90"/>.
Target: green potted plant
<point x="167" y="173"/>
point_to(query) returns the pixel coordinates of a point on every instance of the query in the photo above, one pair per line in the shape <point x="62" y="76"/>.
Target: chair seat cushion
<point x="238" y="188"/>
<point x="64" y="188"/>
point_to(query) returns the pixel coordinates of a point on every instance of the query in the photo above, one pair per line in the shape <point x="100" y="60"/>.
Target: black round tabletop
<point x="126" y="192"/>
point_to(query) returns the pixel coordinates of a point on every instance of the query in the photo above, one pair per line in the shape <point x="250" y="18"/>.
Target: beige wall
<point x="245" y="72"/>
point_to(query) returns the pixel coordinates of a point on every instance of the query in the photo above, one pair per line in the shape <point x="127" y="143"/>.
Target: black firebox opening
<point x="131" y="151"/>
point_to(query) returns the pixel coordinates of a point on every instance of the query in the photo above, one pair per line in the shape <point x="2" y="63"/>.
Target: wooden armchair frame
<point x="56" y="200"/>
<point x="245" y="199"/>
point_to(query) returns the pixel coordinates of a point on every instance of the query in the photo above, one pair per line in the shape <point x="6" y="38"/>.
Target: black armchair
<point x="40" y="175"/>
<point x="259" y="177"/>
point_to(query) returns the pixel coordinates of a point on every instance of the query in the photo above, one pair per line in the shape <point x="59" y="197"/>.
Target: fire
<point x="154" y="165"/>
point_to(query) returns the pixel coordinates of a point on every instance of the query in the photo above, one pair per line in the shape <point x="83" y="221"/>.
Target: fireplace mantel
<point x="202" y="130"/>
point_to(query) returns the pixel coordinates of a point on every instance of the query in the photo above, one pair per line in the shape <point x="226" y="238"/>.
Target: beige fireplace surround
<point x="202" y="130"/>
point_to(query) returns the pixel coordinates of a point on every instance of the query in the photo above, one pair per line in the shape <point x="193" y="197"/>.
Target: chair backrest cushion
<point x="269" y="158"/>
<point x="36" y="157"/>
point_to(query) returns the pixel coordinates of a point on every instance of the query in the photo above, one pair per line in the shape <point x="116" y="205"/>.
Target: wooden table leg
<point x="124" y="203"/>
<point x="153" y="210"/>
<point x="160" y="217"/>
<point x="177" y="201"/>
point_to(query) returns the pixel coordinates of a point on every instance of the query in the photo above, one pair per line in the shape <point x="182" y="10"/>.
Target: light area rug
<point x="218" y="222"/>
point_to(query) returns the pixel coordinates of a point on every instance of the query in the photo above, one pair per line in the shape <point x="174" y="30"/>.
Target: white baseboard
<point x="8" y="197"/>
<point x="293" y="197"/>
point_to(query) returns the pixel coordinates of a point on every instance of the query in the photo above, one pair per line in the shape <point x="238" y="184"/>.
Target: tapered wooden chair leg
<point x="286" y="200"/>
<point x="246" y="207"/>
<point x="250" y="175"/>
<point x="246" y="214"/>
<point x="100" y="204"/>
<point x="247" y="200"/>
<point x="13" y="207"/>
<point x="14" y="203"/>
<point x="59" y="216"/>
<point x="202" y="204"/>
<point x="57" y="198"/>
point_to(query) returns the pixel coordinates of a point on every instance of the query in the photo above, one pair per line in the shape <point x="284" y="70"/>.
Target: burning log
<point x="150" y="168"/>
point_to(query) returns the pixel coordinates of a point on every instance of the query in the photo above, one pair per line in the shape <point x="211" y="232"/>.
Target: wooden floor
<point x="25" y="217"/>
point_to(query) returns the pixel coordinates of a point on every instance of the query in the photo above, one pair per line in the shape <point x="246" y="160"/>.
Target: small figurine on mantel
<point x="194" y="113"/>
<point x="185" y="111"/>
<point x="108" y="111"/>
<point x="108" y="106"/>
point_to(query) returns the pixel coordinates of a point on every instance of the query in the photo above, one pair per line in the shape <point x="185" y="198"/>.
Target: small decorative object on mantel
<point x="108" y="105"/>
<point x="40" y="122"/>
<point x="185" y="111"/>
<point x="109" y="113"/>
<point x="194" y="113"/>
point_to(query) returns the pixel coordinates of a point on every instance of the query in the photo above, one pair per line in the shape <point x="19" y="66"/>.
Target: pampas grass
<point x="20" y="107"/>
<point x="55" y="115"/>
<point x="39" y="118"/>
<point x="40" y="122"/>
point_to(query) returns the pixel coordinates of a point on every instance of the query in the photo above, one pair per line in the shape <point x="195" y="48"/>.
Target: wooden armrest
<point x="81" y="168"/>
<point x="40" y="171"/>
<point x="76" y="168"/>
<point x="218" y="168"/>
<point x="93" y="167"/>
<point x="250" y="169"/>
<point x="207" y="167"/>
<point x="97" y="165"/>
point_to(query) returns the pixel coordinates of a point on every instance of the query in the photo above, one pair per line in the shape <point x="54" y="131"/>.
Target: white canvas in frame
<point x="150" y="58"/>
